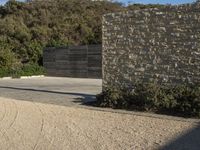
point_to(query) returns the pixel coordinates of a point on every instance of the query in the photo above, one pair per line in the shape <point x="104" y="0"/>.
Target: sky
<point x="173" y="2"/>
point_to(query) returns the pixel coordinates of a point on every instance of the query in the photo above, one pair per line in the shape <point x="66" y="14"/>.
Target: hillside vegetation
<point x="27" y="27"/>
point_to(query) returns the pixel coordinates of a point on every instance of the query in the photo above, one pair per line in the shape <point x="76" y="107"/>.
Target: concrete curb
<point x="27" y="77"/>
<point x="5" y="78"/>
<point x="22" y="77"/>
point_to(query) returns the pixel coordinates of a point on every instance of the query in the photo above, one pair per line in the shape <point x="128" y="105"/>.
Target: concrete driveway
<point x="52" y="90"/>
<point x="45" y="114"/>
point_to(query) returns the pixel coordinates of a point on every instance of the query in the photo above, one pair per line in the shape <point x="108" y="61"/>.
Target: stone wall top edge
<point x="177" y="7"/>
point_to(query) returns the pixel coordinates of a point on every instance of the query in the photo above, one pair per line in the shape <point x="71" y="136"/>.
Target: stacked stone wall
<point x="152" y="45"/>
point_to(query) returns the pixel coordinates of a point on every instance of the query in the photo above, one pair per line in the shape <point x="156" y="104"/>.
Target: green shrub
<point x="7" y="57"/>
<point x="24" y="70"/>
<point x="111" y="98"/>
<point x="32" y="69"/>
<point x="181" y="100"/>
<point x="4" y="72"/>
<point x="187" y="99"/>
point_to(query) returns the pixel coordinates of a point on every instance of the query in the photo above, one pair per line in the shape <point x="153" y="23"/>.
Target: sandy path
<point x="35" y="126"/>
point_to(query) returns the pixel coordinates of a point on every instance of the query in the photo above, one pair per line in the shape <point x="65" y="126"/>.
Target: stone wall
<point x="152" y="45"/>
<point x="74" y="61"/>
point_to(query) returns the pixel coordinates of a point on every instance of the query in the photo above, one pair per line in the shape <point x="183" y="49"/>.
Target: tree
<point x="29" y="26"/>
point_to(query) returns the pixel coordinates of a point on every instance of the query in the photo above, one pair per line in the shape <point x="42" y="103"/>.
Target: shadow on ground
<point x="187" y="141"/>
<point x="47" y="96"/>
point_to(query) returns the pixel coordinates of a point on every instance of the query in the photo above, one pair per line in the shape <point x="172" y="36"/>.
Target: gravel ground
<point x="29" y="125"/>
<point x="40" y="114"/>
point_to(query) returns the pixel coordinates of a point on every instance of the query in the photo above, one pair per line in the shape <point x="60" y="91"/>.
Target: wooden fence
<point x="74" y="61"/>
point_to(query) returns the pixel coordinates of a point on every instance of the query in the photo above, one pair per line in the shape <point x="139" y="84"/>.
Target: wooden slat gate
<point x="74" y="61"/>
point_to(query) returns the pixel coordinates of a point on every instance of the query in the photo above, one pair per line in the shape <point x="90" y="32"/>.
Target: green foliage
<point x="30" y="26"/>
<point x="27" y="27"/>
<point x="188" y="99"/>
<point x="5" y="72"/>
<point x="181" y="100"/>
<point x="112" y="98"/>
<point x="31" y="69"/>
<point x="24" y="70"/>
<point x="7" y="57"/>
<point x="143" y="6"/>
<point x="34" y="51"/>
<point x="57" y="43"/>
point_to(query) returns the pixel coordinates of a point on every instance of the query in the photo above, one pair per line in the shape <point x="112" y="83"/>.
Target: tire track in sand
<point x="42" y="125"/>
<point x="4" y="130"/>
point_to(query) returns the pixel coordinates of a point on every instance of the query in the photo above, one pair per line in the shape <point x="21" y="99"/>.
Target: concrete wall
<point x="151" y="45"/>
<point x="74" y="61"/>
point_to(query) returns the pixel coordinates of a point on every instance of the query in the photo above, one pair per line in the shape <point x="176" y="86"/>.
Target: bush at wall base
<point x="178" y="100"/>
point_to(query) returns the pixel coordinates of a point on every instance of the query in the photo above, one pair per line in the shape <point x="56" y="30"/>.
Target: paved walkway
<point x="51" y="90"/>
<point x="43" y="114"/>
